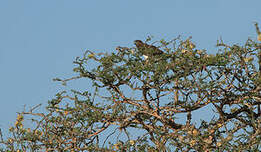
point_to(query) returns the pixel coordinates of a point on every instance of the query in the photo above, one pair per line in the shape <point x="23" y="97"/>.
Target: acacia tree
<point x="140" y="99"/>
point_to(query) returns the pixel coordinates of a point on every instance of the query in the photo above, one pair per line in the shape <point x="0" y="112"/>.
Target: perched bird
<point x="147" y="50"/>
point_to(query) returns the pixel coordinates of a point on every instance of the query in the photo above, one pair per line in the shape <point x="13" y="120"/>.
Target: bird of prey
<point x="147" y="50"/>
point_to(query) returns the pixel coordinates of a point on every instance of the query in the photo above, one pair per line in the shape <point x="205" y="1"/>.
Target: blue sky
<point x="40" y="39"/>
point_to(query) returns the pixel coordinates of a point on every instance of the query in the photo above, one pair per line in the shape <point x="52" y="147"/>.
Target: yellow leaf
<point x="132" y="142"/>
<point x="219" y="125"/>
<point x="192" y="142"/>
<point x="191" y="45"/>
<point x="65" y="112"/>
<point x="91" y="55"/>
<point x="184" y="51"/>
<point x="219" y="144"/>
<point x="249" y="59"/>
<point x="20" y="117"/>
<point x="208" y="140"/>
<point x="195" y="132"/>
<point x="10" y="140"/>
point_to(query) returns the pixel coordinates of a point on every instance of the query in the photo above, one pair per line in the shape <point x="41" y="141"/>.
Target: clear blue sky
<point x="40" y="39"/>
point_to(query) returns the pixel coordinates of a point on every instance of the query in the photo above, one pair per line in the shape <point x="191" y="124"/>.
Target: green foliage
<point x="146" y="96"/>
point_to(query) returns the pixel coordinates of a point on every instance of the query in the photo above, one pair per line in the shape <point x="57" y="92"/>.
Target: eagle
<point x="147" y="50"/>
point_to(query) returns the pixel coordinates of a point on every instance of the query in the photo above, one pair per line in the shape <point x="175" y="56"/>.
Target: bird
<point x="147" y="50"/>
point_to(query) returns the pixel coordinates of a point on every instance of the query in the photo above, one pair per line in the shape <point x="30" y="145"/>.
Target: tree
<point x="146" y="96"/>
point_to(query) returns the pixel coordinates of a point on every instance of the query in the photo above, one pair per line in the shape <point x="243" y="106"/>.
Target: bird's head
<point x="138" y="43"/>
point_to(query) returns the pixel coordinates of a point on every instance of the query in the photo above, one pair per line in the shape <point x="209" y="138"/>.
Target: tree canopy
<point x="136" y="101"/>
